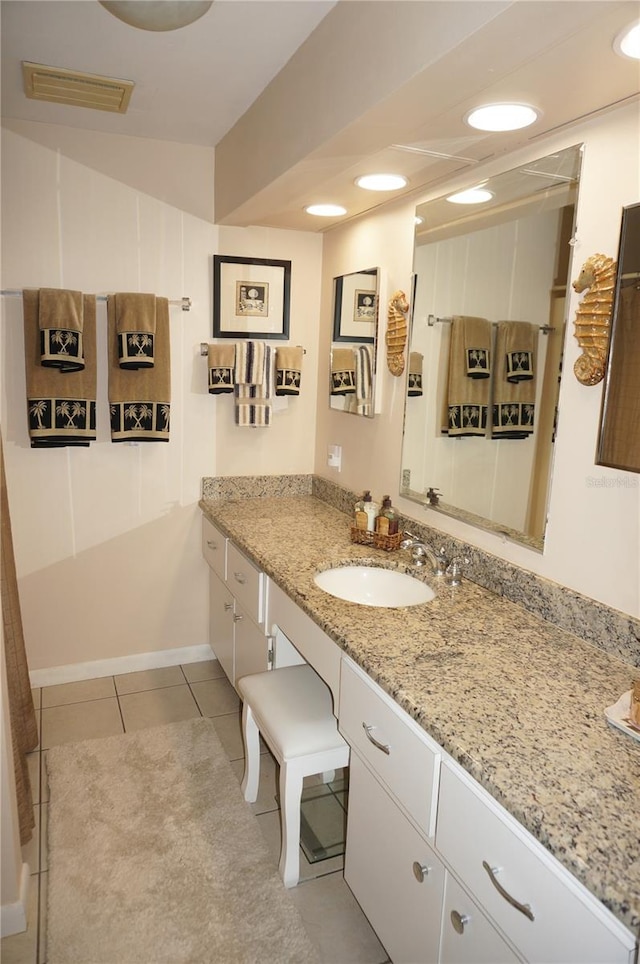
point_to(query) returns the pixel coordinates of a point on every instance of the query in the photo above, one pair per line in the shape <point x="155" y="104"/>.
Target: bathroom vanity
<point x="493" y="813"/>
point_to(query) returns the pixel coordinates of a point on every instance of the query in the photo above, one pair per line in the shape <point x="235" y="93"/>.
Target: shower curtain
<point x="24" y="729"/>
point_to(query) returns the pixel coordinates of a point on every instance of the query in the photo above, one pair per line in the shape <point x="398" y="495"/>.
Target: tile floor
<point x="91" y="709"/>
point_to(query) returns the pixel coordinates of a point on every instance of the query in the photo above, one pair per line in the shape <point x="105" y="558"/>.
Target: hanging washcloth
<point x="136" y="328"/>
<point x="514" y="390"/>
<point x="469" y="370"/>
<point x="343" y="371"/>
<point x="288" y="370"/>
<point x="414" y="383"/>
<point x="222" y="362"/>
<point x="253" y="406"/>
<point x="360" y="403"/>
<point x="61" y="405"/>
<point x="60" y="320"/>
<point x="140" y="400"/>
<point x="250" y="366"/>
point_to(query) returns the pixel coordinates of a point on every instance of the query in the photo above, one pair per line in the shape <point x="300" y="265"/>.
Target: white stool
<point x="292" y="709"/>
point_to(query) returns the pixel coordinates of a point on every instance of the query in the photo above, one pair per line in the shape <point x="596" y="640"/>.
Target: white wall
<point x="107" y="538"/>
<point x="592" y="542"/>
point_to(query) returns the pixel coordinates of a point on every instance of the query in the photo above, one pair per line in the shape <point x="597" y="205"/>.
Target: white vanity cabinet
<point x="237" y="607"/>
<point x="467" y="936"/>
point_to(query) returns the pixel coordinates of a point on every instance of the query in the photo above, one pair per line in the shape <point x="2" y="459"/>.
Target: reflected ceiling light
<point x="326" y="210"/>
<point x="475" y="195"/>
<point x="627" y="43"/>
<point x="382" y="182"/>
<point x="501" y="117"/>
<point x="157" y="14"/>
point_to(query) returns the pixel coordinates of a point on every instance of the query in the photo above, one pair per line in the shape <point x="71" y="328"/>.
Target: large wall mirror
<point x="488" y="322"/>
<point x="353" y="343"/>
<point x="619" y="442"/>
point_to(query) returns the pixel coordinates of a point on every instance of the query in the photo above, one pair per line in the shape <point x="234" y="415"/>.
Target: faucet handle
<point x="455" y="569"/>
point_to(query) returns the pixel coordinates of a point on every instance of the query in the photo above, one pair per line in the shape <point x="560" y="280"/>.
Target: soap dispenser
<point x="366" y="511"/>
<point x="387" y="520"/>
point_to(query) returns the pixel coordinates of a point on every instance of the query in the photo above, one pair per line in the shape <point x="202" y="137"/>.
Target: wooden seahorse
<point x="396" y="336"/>
<point x="593" y="317"/>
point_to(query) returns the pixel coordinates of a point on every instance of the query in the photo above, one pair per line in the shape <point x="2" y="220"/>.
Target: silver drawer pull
<point x="228" y="607"/>
<point x="237" y="618"/>
<point x="459" y="921"/>
<point x="523" y="908"/>
<point x="420" y="871"/>
<point x="212" y="545"/>
<point x="240" y="577"/>
<point x="381" y="746"/>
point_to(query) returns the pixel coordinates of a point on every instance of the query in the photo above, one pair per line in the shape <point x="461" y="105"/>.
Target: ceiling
<point x="298" y="97"/>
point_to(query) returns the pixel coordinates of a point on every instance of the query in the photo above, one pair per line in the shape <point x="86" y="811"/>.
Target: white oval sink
<point x="372" y="586"/>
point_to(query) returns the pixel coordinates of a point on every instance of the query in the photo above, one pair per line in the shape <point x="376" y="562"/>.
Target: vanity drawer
<point x="408" y="762"/>
<point x="246" y="582"/>
<point x="569" y="925"/>
<point x="214" y="548"/>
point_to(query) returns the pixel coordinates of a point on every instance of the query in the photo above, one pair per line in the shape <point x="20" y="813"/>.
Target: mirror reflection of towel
<point x="414" y="383"/>
<point x="343" y="371"/>
<point x="469" y="381"/>
<point x="360" y="403"/>
<point x="221" y="365"/>
<point x="514" y="389"/>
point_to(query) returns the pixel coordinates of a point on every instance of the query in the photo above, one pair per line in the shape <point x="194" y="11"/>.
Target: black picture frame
<point x="251" y="297"/>
<point x="350" y="292"/>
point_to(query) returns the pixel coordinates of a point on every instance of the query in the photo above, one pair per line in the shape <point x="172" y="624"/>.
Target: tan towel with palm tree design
<point x="140" y="399"/>
<point x="514" y="387"/>
<point x="61" y="405"/>
<point x="60" y="319"/>
<point x="136" y="327"/>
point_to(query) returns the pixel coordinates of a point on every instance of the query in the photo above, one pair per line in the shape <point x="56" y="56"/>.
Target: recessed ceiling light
<point x="475" y="195"/>
<point x="501" y="117"/>
<point x="627" y="43"/>
<point x="381" y="182"/>
<point x="326" y="210"/>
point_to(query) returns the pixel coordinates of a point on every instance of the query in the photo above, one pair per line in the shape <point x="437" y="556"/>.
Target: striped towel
<point x="253" y="405"/>
<point x="360" y="403"/>
<point x="250" y="363"/>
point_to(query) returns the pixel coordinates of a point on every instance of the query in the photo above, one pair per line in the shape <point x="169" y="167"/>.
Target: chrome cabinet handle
<point x="212" y="545"/>
<point x="420" y="871"/>
<point x="237" y="618"/>
<point x="240" y="577"/>
<point x="523" y="908"/>
<point x="459" y="921"/>
<point x="381" y="746"/>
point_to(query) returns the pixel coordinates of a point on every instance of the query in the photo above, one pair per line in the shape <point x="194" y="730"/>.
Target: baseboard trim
<point x="13" y="917"/>
<point x="119" y="665"/>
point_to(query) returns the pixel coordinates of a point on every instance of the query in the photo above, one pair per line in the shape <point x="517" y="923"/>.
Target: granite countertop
<point x="515" y="700"/>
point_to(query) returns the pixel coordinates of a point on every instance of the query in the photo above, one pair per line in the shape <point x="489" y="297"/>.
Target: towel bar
<point x="433" y="320"/>
<point x="185" y="303"/>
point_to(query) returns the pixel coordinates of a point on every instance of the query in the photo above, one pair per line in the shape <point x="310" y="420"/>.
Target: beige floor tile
<point x="215" y="697"/>
<point x="149" y="679"/>
<point x="270" y="826"/>
<point x="44" y="837"/>
<point x="229" y="732"/>
<point x="335" y="923"/>
<point x="42" y="932"/>
<point x="155" y="707"/>
<point x="207" y="669"/>
<point x="33" y="764"/>
<point x="31" y="850"/>
<point x="268" y="785"/>
<point x="79" y="692"/>
<point x="23" y="948"/>
<point x="80" y="721"/>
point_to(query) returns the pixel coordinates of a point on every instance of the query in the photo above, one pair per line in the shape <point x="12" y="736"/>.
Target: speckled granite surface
<point x="518" y="702"/>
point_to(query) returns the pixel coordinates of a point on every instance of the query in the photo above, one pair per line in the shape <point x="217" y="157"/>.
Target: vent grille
<point x="74" y="88"/>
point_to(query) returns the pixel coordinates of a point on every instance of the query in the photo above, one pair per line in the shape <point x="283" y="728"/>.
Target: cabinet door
<point x="251" y="646"/>
<point x="221" y="624"/>
<point x="467" y="936"/>
<point x="395" y="876"/>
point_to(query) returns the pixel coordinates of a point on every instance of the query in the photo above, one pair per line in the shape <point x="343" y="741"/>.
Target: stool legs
<point x="251" y="737"/>
<point x="291" y="776"/>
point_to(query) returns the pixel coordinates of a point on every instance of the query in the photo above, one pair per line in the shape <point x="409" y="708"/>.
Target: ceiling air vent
<point x="72" y="87"/>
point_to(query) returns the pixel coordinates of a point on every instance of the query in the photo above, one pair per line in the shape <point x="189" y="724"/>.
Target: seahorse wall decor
<point x="593" y="317"/>
<point x="396" y="336"/>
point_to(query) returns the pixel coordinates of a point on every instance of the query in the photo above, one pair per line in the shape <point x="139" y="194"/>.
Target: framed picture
<point x="251" y="297"/>
<point x="355" y="308"/>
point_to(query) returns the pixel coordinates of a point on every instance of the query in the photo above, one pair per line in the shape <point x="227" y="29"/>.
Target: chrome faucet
<point x="420" y="552"/>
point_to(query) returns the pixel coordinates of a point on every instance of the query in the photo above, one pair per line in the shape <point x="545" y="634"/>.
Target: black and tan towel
<point x="468" y="381"/>
<point x="61" y="405"/>
<point x="61" y="323"/>
<point x="414" y="382"/>
<point x="222" y="364"/>
<point x="343" y="371"/>
<point x="361" y="402"/>
<point x="135" y="315"/>
<point x="140" y="399"/>
<point x="253" y="402"/>
<point x="514" y="388"/>
<point x="288" y="370"/>
<point x="250" y="365"/>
